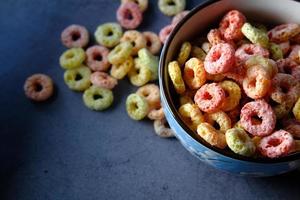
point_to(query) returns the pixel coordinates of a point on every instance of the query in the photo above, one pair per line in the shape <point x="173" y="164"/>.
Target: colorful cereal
<point x="153" y="43"/>
<point x="233" y="96"/>
<point x="78" y="79"/>
<point x="137" y="107"/>
<point x="102" y="79"/>
<point x="129" y="15"/>
<point x="143" y="4"/>
<point x="191" y="115"/>
<point x="194" y="74"/>
<point x="171" y="7"/>
<point x="184" y="53"/>
<point x="97" y="98"/>
<point x="283" y="32"/>
<point x="72" y="58"/>
<point x="220" y="118"/>
<point x="139" y="74"/>
<point x="119" y="71"/>
<point x="296" y="110"/>
<point x="75" y="36"/>
<point x="137" y="40"/>
<point x="120" y="53"/>
<point x="109" y="34"/>
<point x="176" y="77"/>
<point x="165" y="32"/>
<point x="161" y="130"/>
<point x="211" y="135"/>
<point x="256" y="36"/>
<point x="97" y="58"/>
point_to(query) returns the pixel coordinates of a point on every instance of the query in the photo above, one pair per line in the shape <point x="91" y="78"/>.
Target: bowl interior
<point x="197" y="22"/>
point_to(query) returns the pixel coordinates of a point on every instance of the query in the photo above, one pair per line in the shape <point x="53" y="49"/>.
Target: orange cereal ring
<point x="292" y="126"/>
<point x="153" y="43"/>
<point x="151" y="94"/>
<point x="102" y="79"/>
<point x="214" y="37"/>
<point x="211" y="135"/>
<point x="295" y="54"/>
<point x="233" y="96"/>
<point x="191" y="115"/>
<point x="237" y="74"/>
<point x="296" y="110"/>
<point x="194" y="73"/>
<point x="284" y="32"/>
<point x="289" y="66"/>
<point x="246" y="51"/>
<point x="220" y="118"/>
<point x="156" y="113"/>
<point x="176" y="77"/>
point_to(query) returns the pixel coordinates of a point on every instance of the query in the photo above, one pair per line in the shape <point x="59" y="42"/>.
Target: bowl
<point x="200" y="20"/>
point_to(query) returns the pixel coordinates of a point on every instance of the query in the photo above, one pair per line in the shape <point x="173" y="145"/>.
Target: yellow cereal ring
<point x="256" y="36"/>
<point x="138" y="74"/>
<point x="184" y="53"/>
<point x="78" y="79"/>
<point x="72" y="58"/>
<point x="191" y="115"/>
<point x="221" y="118"/>
<point x="211" y="135"/>
<point x="197" y="52"/>
<point x="137" y="40"/>
<point x="296" y="110"/>
<point x="119" y="71"/>
<point x="150" y="61"/>
<point x="176" y="77"/>
<point x="267" y="64"/>
<point x="97" y="98"/>
<point x="137" y="106"/>
<point x="275" y="50"/>
<point x="234" y="95"/>
<point x="120" y="53"/>
<point x="194" y="73"/>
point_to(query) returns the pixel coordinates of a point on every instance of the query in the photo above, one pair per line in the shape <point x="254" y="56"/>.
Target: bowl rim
<point x="167" y="98"/>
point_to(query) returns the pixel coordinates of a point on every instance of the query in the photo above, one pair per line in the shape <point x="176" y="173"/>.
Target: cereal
<point x="137" y="107"/>
<point x="75" y="36"/>
<point x="206" y="46"/>
<point x="239" y="142"/>
<point x="233" y="96"/>
<point x="215" y="77"/>
<point x="151" y="93"/>
<point x="286" y="65"/>
<point x="214" y="37"/>
<point x="197" y="52"/>
<point x="194" y="74"/>
<point x="276" y="51"/>
<point x="236" y="74"/>
<point x="178" y="17"/>
<point x="185" y="98"/>
<point x="292" y="126"/>
<point x="210" y="97"/>
<point x="191" y="115"/>
<point x="156" y="113"/>
<point x="165" y="32"/>
<point x="171" y="7"/>
<point x="256" y="36"/>
<point x="296" y="39"/>
<point x="78" y="79"/>
<point x="285" y="47"/>
<point x="277" y="144"/>
<point x="296" y="110"/>
<point x="264" y="112"/>
<point x="129" y="15"/>
<point x="294" y="55"/>
<point x="119" y="71"/>
<point x="138" y="74"/>
<point x="120" y="53"/>
<point x="184" y="53"/>
<point x="97" y="58"/>
<point x="220" y="118"/>
<point x="211" y="135"/>
<point x="143" y="4"/>
<point x="284" y="32"/>
<point x="219" y="59"/>
<point x="266" y="64"/>
<point x="108" y="34"/>
<point x="149" y="61"/>
<point x="153" y="43"/>
<point x="102" y="79"/>
<point x="97" y="98"/>
<point x="72" y="58"/>
<point x="137" y="40"/>
<point x="161" y="130"/>
<point x="281" y="110"/>
<point x="246" y="51"/>
<point x="38" y="87"/>
<point x="176" y="77"/>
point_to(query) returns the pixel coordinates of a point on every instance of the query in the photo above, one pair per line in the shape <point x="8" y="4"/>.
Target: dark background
<point x="62" y="150"/>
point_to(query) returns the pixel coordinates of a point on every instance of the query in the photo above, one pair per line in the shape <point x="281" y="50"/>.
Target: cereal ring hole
<point x="284" y="87"/>
<point x="149" y="43"/>
<point x="70" y="55"/>
<point x="249" y="51"/>
<point x="171" y="3"/>
<point x="216" y="125"/>
<point x="97" y="96"/>
<point x="38" y="87"/>
<point x="76" y="36"/>
<point x="216" y="56"/>
<point x="207" y="96"/>
<point x="256" y="120"/>
<point x="97" y="56"/>
<point x="128" y="15"/>
<point x="78" y="77"/>
<point x="274" y="142"/>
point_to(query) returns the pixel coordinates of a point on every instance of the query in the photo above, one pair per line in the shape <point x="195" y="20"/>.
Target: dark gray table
<point x="61" y="150"/>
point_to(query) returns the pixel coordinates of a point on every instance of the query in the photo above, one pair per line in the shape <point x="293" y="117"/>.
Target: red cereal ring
<point x="75" y="36"/>
<point x="129" y="15"/>
<point x="262" y="110"/>
<point x="102" y="79"/>
<point x="292" y="126"/>
<point x="277" y="144"/>
<point x="220" y="59"/>
<point x="294" y="55"/>
<point x="231" y="24"/>
<point x="97" y="58"/>
<point x="283" y="32"/>
<point x="165" y="32"/>
<point x="244" y="52"/>
<point x="209" y="97"/>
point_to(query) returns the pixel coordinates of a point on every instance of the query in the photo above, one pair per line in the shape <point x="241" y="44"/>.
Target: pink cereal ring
<point x="75" y="36"/>
<point x="97" y="58"/>
<point x="289" y="66"/>
<point x="102" y="79"/>
<point x="262" y="110"/>
<point x="277" y="144"/>
<point x="220" y="59"/>
<point x="285" y="47"/>
<point x="177" y="18"/>
<point x="244" y="52"/>
<point x="129" y="15"/>
<point x="231" y="24"/>
<point x="292" y="126"/>
<point x="165" y="32"/>
<point x="283" y="32"/>
<point x="209" y="97"/>
<point x="295" y="54"/>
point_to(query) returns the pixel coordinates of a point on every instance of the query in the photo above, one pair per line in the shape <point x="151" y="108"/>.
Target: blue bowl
<point x="197" y="21"/>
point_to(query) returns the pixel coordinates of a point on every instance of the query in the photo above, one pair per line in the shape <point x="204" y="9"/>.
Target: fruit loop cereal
<point x="129" y="15"/>
<point x="191" y="114"/>
<point x="119" y="71"/>
<point x="161" y="130"/>
<point x="72" y="58"/>
<point x="120" y="53"/>
<point x="177" y="18"/>
<point x="294" y="55"/>
<point x="255" y="35"/>
<point x="102" y="79"/>
<point x="137" y="40"/>
<point x="184" y="53"/>
<point x="211" y="135"/>
<point x="156" y="113"/>
<point x="78" y="79"/>
<point x="194" y="74"/>
<point x="143" y="4"/>
<point x="137" y="106"/>
<point x="296" y="110"/>
<point x="75" y="36"/>
<point x="284" y="32"/>
<point x="221" y="118"/>
<point x="97" y="58"/>
<point x="171" y="7"/>
<point x="138" y="74"/>
<point x="149" y="61"/>
<point x="151" y="93"/>
<point x="244" y="52"/>
<point x="176" y="77"/>
<point x="108" y="34"/>
<point x="97" y="98"/>
<point x="292" y="126"/>
<point x="153" y="43"/>
<point x="165" y="32"/>
<point x="233" y="96"/>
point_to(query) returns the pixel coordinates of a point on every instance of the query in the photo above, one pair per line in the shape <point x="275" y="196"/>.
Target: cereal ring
<point x="276" y="52"/>
<point x="78" y="79"/>
<point x="161" y="130"/>
<point x="138" y="74"/>
<point x="295" y="54"/>
<point x="143" y="4"/>
<point x="119" y="71"/>
<point x="268" y="65"/>
<point x="296" y="110"/>
<point x="278" y="144"/>
<point x="284" y="32"/>
<point x="75" y="36"/>
<point x="151" y="93"/>
<point x="219" y="119"/>
<point x="231" y="24"/>
<point x="38" y="87"/>
<point x="149" y="61"/>
<point x="72" y="58"/>
<point x="214" y="37"/>
<point x="165" y="32"/>
<point x="233" y="96"/>
<point x="286" y="65"/>
<point x="102" y="79"/>
<point x="137" y="40"/>
<point x="108" y="34"/>
<point x="156" y="113"/>
<point x="211" y="135"/>
<point x="255" y="35"/>
<point x="120" y="53"/>
<point x="137" y="106"/>
<point x="219" y="59"/>
<point x="264" y="112"/>
<point x="153" y="43"/>
<point x="197" y="52"/>
<point x="285" y="47"/>
<point x="292" y="126"/>
<point x="239" y="142"/>
<point x="215" y="77"/>
<point x="129" y="15"/>
<point x="184" y="53"/>
<point x="194" y="74"/>
<point x="281" y="110"/>
<point x="97" y="98"/>
<point x="171" y="7"/>
<point x="246" y="51"/>
<point x="237" y="74"/>
<point x="261" y="27"/>
<point x="206" y="46"/>
<point x="176" y="77"/>
<point x="210" y="97"/>
<point x="97" y="58"/>
<point x="191" y="115"/>
<point x="187" y="97"/>
<point x="178" y="17"/>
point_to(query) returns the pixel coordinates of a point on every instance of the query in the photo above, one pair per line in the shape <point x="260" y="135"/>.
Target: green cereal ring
<point x="138" y="74"/>
<point x="72" y="58"/>
<point x="137" y="106"/>
<point x="275" y="51"/>
<point x="171" y="7"/>
<point x="176" y="77"/>
<point x="108" y="34"/>
<point x="261" y="27"/>
<point x="184" y="53"/>
<point x="197" y="52"/>
<point x="97" y="98"/>
<point x="239" y="142"/>
<point x="120" y="53"/>
<point x="78" y="79"/>
<point x="119" y="71"/>
<point x="256" y="36"/>
<point x="150" y="61"/>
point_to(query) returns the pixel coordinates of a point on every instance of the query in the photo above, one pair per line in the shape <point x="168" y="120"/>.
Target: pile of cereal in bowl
<point x="239" y="88"/>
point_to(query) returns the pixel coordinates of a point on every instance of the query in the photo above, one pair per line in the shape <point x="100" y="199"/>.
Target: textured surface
<point x="62" y="150"/>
